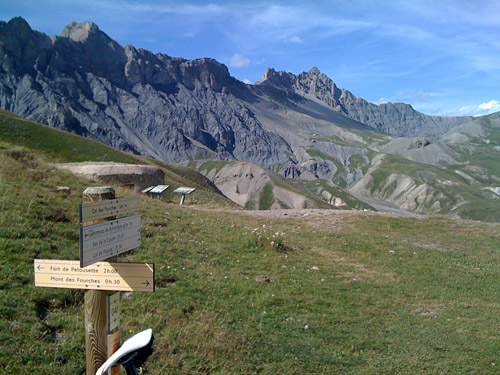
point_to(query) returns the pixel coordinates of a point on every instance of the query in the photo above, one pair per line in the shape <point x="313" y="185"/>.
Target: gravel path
<point x="317" y="212"/>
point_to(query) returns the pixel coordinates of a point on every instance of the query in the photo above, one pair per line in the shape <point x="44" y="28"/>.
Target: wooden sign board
<point x="113" y="344"/>
<point x="106" y="208"/>
<point x="103" y="240"/>
<point x="125" y="277"/>
<point x="113" y="311"/>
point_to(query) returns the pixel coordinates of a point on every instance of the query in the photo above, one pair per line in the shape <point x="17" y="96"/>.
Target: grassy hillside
<point x="57" y="144"/>
<point x="455" y="193"/>
<point x="346" y="293"/>
<point x="61" y="146"/>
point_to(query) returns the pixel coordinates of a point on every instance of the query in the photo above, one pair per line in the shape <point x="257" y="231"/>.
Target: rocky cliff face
<point x="169" y="108"/>
<point x="164" y="107"/>
<point x="394" y="118"/>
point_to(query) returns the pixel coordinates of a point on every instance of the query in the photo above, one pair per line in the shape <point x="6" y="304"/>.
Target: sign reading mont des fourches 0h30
<point x="106" y="208"/>
<point x="103" y="240"/>
<point x="125" y="277"/>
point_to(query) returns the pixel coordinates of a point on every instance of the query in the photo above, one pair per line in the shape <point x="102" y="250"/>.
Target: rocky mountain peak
<point x="268" y="74"/>
<point x="314" y="71"/>
<point x="20" y="46"/>
<point x="19" y="23"/>
<point x="79" y="32"/>
<point x="16" y="28"/>
<point x="279" y="79"/>
<point x="84" y="47"/>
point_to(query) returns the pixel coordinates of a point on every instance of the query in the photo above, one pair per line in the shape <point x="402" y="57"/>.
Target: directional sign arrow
<point x="101" y="241"/>
<point x="126" y="277"/>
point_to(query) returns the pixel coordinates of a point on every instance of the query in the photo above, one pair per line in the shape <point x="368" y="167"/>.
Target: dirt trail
<point x="314" y="212"/>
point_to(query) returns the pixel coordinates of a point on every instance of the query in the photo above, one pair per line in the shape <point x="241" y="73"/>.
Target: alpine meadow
<point x="290" y="226"/>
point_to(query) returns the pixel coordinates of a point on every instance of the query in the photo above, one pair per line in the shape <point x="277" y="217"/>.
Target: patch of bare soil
<point x="321" y="213"/>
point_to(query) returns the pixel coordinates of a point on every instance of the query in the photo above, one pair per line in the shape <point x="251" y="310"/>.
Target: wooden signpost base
<point x="96" y="325"/>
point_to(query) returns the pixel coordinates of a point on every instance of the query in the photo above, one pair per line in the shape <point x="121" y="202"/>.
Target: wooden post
<point x="95" y="300"/>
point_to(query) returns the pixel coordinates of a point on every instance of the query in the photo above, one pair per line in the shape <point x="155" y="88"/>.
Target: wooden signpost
<point x="102" y="237"/>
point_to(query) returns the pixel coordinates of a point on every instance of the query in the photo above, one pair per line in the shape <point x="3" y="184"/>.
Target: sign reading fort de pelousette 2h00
<point x="125" y="277"/>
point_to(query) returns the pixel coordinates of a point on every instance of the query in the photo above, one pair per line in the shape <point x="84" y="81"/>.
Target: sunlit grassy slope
<point x="61" y="146"/>
<point x="346" y="293"/>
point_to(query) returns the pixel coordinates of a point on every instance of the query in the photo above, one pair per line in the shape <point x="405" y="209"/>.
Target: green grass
<point x="213" y="164"/>
<point x="363" y="295"/>
<point x="266" y="198"/>
<point x="57" y="144"/>
<point x="332" y="139"/>
<point x="351" y="201"/>
<point x="61" y="146"/>
<point x="479" y="205"/>
<point x="357" y="160"/>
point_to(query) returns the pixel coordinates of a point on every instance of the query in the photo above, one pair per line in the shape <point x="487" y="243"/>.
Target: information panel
<point x="158" y="189"/>
<point x="125" y="277"/>
<point x="103" y="240"/>
<point x="184" y="190"/>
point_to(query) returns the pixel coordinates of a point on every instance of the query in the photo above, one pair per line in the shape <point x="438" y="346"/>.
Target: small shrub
<point x="279" y="245"/>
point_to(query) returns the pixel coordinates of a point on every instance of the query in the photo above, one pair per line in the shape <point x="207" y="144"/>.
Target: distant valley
<point x="299" y="135"/>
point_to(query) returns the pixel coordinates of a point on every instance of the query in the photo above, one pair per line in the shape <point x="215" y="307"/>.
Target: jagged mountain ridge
<point x="394" y="118"/>
<point x="302" y="126"/>
<point x="131" y="99"/>
<point x="153" y="104"/>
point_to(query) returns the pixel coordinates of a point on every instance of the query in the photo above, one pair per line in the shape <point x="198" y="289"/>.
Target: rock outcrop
<point x="151" y="104"/>
<point x="394" y="118"/>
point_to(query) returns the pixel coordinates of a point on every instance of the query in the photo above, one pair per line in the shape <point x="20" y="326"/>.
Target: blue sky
<point x="441" y="56"/>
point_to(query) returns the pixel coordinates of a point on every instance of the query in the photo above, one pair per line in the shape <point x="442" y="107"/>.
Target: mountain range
<point x="302" y="127"/>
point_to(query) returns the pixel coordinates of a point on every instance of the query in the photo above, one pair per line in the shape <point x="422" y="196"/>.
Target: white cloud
<point x="407" y="95"/>
<point x="481" y="109"/>
<point x="247" y="81"/>
<point x="294" y="39"/>
<point x="492" y="104"/>
<point x="383" y="100"/>
<point x="238" y="61"/>
<point x="208" y="10"/>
